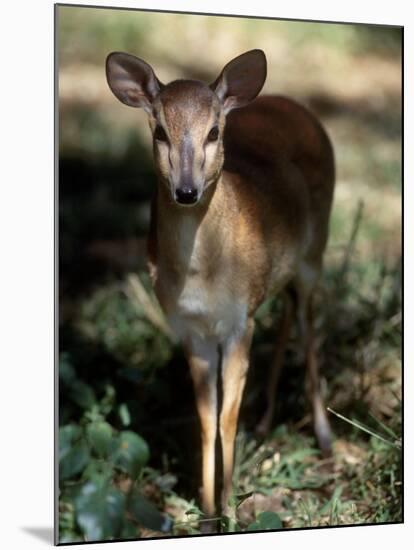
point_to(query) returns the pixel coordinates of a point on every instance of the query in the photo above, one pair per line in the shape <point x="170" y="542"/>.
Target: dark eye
<point x="159" y="134"/>
<point x="213" y="134"/>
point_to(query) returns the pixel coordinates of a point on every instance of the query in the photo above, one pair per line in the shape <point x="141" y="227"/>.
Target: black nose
<point x="186" y="195"/>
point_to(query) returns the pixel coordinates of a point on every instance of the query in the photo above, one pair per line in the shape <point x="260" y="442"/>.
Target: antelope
<point x="240" y="213"/>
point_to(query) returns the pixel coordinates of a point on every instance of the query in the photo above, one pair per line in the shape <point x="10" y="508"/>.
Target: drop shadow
<point x="45" y="534"/>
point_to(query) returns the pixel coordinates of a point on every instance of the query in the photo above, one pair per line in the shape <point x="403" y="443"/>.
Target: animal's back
<point x="284" y="154"/>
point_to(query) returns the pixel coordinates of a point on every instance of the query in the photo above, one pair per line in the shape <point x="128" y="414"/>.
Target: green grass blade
<point x="360" y="426"/>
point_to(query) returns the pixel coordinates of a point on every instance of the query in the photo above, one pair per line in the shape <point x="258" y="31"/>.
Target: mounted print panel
<point x="229" y="274"/>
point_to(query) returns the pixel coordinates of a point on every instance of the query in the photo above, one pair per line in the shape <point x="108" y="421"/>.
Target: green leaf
<point x="124" y="415"/>
<point x="73" y="452"/>
<point x="147" y="515"/>
<point x="100" y="511"/>
<point x="74" y="461"/>
<point x="67" y="436"/>
<point x="194" y="510"/>
<point x="229" y="525"/>
<point x="107" y="402"/>
<point x="82" y="394"/>
<point x="265" y="521"/>
<point x="299" y="455"/>
<point x="98" y="470"/>
<point x="131" y="454"/>
<point x="67" y="373"/>
<point x="99" y="436"/>
<point x="129" y="530"/>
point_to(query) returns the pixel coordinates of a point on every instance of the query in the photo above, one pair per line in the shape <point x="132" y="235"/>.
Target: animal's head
<point x="187" y="117"/>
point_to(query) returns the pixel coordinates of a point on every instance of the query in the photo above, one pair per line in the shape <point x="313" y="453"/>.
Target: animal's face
<point x="187" y="117"/>
<point x="187" y="123"/>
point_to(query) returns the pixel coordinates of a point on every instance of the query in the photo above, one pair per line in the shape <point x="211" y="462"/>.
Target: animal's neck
<point x="181" y="229"/>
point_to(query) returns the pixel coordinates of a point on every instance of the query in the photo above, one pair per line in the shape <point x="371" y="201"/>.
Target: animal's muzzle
<point x="186" y="195"/>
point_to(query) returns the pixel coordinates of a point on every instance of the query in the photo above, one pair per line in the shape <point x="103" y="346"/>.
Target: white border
<point x="26" y="289"/>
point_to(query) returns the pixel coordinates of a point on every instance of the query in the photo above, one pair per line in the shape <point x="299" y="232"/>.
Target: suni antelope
<point x="241" y="212"/>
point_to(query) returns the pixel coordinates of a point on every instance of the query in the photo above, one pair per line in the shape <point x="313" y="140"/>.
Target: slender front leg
<point x="235" y="365"/>
<point x="203" y="360"/>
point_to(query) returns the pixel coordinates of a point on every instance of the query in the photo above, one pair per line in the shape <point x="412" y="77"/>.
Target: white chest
<point x="200" y="291"/>
<point x="207" y="311"/>
<point x="206" y="307"/>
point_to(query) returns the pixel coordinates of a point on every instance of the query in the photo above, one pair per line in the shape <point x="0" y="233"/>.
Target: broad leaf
<point x="73" y="452"/>
<point x="129" y="530"/>
<point x="265" y="521"/>
<point x="131" y="454"/>
<point x="82" y="394"/>
<point x="99" y="471"/>
<point x="67" y="373"/>
<point x="99" y="436"/>
<point x="194" y="511"/>
<point x="100" y="511"/>
<point x="124" y="414"/>
<point x="67" y="436"/>
<point x="147" y="515"/>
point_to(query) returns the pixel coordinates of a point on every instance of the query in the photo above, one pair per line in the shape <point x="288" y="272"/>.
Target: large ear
<point x="132" y="80"/>
<point x="241" y="80"/>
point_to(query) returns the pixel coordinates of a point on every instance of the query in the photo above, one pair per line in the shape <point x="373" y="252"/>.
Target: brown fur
<point x="258" y="225"/>
<point x="268" y="211"/>
<point x="278" y="176"/>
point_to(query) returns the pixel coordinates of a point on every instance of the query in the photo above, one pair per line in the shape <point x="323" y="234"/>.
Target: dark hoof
<point x="326" y="448"/>
<point x="324" y="438"/>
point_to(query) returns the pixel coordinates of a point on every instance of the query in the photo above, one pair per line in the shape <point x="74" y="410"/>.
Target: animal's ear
<point x="241" y="80"/>
<point x="132" y="80"/>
